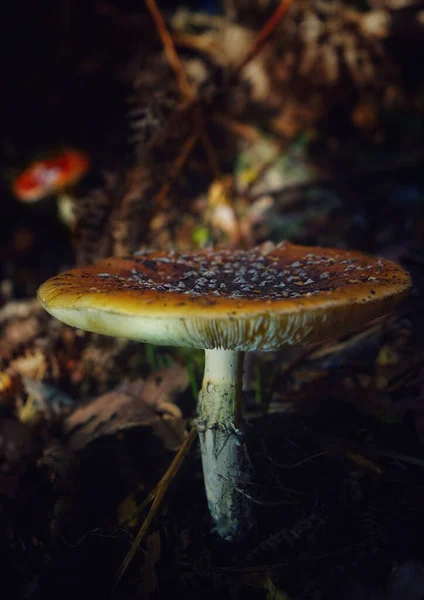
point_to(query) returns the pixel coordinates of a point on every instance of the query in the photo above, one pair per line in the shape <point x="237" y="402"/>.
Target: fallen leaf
<point x="131" y="404"/>
<point x="127" y="511"/>
<point x="22" y="331"/>
<point x="30" y="364"/>
<point x="387" y="356"/>
<point x="20" y="309"/>
<point x="44" y="401"/>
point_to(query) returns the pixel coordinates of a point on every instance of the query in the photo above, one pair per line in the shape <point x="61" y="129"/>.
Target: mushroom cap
<point x="259" y="299"/>
<point x="45" y="177"/>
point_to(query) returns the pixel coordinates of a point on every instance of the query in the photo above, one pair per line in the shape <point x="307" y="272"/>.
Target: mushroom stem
<point x="65" y="208"/>
<point x="224" y="458"/>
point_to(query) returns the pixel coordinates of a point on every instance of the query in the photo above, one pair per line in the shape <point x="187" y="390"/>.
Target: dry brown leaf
<point x="30" y="364"/>
<point x="44" y="402"/>
<point x="20" y="309"/>
<point x="22" y="331"/>
<point x="127" y="511"/>
<point x="131" y="404"/>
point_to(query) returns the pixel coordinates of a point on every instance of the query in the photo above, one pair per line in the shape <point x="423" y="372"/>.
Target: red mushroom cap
<point x="45" y="177"/>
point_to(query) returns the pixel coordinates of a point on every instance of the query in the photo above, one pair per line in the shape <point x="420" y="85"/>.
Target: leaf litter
<point x="89" y="426"/>
<point x="147" y="403"/>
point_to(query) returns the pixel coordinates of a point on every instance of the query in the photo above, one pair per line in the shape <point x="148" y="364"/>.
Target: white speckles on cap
<point x="263" y="298"/>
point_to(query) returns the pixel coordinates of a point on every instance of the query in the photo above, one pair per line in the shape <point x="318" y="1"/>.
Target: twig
<point x="207" y="145"/>
<point x="159" y="494"/>
<point x="211" y="155"/>
<point x="251" y="134"/>
<point x="299" y="463"/>
<point x="188" y="95"/>
<point x="254" y="500"/>
<point x="170" y="52"/>
<point x="266" y="32"/>
<point x="278" y="566"/>
<point x="400" y="457"/>
<point x="160" y="199"/>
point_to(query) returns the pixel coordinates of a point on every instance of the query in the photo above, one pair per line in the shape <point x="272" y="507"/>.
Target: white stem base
<point x="224" y="457"/>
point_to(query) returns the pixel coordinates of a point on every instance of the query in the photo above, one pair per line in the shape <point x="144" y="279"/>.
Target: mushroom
<point x="227" y="302"/>
<point x="51" y="176"/>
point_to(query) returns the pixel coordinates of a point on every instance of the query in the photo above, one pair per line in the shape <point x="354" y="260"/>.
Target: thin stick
<point x="266" y="32"/>
<point x="170" y="52"/>
<point x="251" y="134"/>
<point x="302" y="559"/>
<point x="160" y="199"/>
<point x="187" y="93"/>
<point x="211" y="155"/>
<point x="159" y="495"/>
<point x="199" y="119"/>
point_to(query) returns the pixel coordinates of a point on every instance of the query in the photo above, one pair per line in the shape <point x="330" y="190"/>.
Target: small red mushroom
<point x="50" y="176"/>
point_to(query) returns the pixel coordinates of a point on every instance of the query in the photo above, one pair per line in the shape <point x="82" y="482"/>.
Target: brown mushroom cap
<point x="262" y="299"/>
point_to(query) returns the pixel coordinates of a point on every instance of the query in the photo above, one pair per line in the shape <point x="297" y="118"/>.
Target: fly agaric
<point x="227" y="302"/>
<point x="51" y="176"/>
